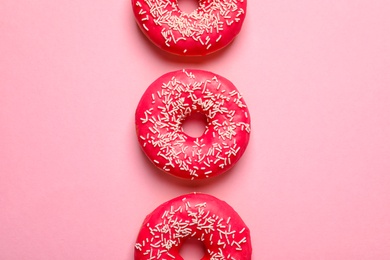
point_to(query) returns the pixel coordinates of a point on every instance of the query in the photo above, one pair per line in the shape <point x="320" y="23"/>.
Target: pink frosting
<point x="169" y="101"/>
<point x="199" y="216"/>
<point x="212" y="26"/>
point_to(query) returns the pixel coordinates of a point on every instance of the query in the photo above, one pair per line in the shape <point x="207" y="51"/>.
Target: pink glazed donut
<point x="199" y="216"/>
<point x="169" y="101"/>
<point x="210" y="27"/>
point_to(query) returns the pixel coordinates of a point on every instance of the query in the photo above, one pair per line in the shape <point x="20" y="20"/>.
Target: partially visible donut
<point x="199" y="216"/>
<point x="210" y="27"/>
<point x="167" y="103"/>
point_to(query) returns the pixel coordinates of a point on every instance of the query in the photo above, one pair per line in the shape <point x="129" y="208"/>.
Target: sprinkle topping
<point x="217" y="226"/>
<point x="165" y="106"/>
<point x="204" y="27"/>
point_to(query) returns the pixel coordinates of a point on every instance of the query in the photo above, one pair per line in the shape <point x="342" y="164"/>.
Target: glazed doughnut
<point x="166" y="104"/>
<point x="199" y="216"/>
<point x="210" y="27"/>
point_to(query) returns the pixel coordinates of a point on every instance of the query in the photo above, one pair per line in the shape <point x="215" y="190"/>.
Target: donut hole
<point x="192" y="249"/>
<point x="195" y="124"/>
<point x="188" y="6"/>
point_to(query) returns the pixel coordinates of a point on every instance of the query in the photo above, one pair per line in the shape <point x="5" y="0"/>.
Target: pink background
<point x="314" y="182"/>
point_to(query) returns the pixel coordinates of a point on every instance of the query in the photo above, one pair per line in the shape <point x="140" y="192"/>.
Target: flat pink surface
<point x="314" y="182"/>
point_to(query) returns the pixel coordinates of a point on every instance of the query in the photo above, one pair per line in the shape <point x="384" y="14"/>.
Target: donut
<point x="197" y="215"/>
<point x="210" y="27"/>
<point x="166" y="104"/>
